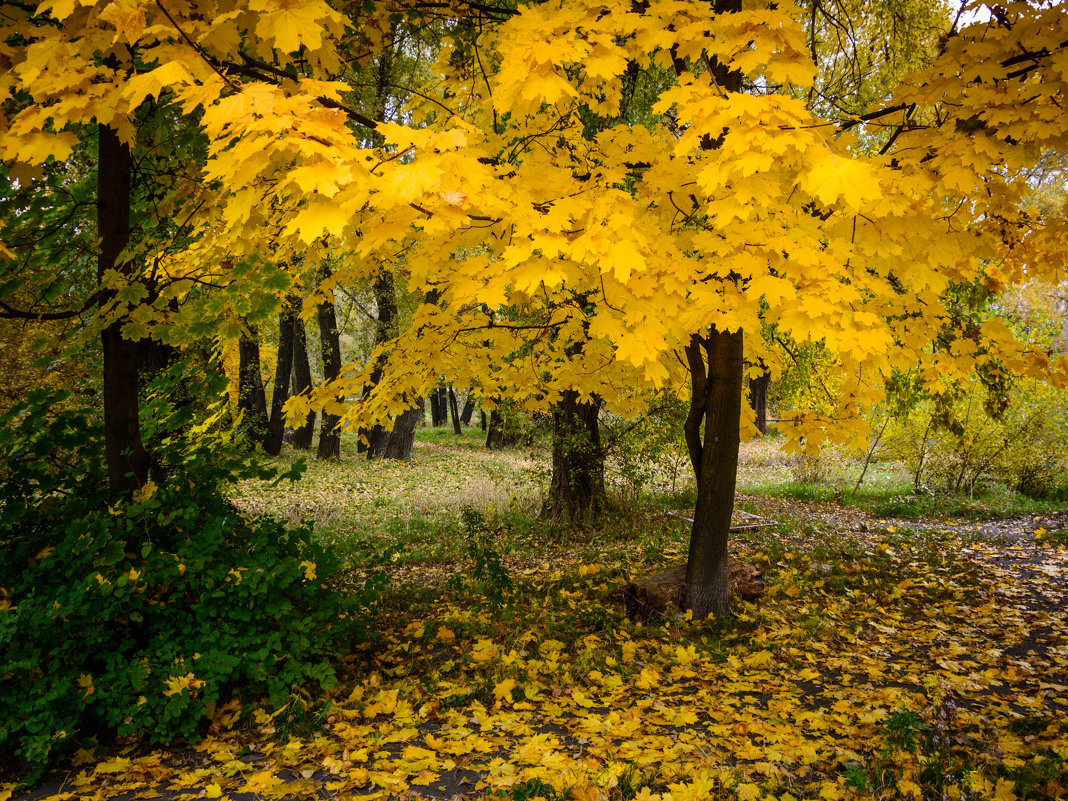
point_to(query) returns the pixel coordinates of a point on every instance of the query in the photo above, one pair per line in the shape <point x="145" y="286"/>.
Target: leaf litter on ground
<point x="887" y="659"/>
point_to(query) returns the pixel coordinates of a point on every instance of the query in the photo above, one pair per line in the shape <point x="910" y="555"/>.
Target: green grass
<point x="407" y="514"/>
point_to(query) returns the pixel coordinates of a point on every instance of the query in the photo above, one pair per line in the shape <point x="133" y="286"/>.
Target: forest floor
<point x="889" y="657"/>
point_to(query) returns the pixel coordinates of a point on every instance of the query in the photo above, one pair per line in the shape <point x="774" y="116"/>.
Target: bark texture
<point x="127" y="458"/>
<point x="648" y="598"/>
<point x="758" y="399"/>
<point x="251" y="397"/>
<point x="329" y="433"/>
<point x="469" y="409"/>
<point x="402" y="437"/>
<point x="576" y="491"/>
<point x="272" y="442"/>
<point x="716" y="373"/>
<point x="455" y="408"/>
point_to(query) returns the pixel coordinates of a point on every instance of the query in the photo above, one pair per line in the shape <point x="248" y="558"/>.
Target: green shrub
<point x="135" y="618"/>
<point x="954" y="443"/>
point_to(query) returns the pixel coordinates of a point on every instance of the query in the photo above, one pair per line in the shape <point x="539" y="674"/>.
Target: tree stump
<point x="647" y="598"/>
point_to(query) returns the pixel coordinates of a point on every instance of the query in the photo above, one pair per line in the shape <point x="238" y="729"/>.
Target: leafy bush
<point x="650" y="449"/>
<point x="489" y="574"/>
<point x="136" y="618"/>
<point x="957" y="443"/>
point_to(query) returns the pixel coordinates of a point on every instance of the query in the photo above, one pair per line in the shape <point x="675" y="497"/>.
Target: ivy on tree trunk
<point x="576" y="491"/>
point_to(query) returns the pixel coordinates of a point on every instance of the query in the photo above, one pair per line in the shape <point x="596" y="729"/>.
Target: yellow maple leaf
<point x="909" y="789"/>
<point x="213" y="790"/>
<point x="178" y="684"/>
<point x="503" y="691"/>
<point x="1004" y="791"/>
<point x="839" y="177"/>
<point x="317" y="217"/>
<point x="483" y="651"/>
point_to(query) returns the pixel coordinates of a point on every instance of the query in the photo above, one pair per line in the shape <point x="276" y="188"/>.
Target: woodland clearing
<point x="888" y="658"/>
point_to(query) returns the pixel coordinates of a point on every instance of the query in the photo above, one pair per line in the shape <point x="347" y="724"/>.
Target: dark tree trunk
<point x="377" y="441"/>
<point x="283" y="371"/>
<point x="302" y="379"/>
<point x="469" y="409"/>
<point x="439" y="407"/>
<point x="758" y="399"/>
<point x="577" y="488"/>
<point x="385" y="329"/>
<point x="251" y="398"/>
<point x="402" y="437"/>
<point x="483" y="415"/>
<point x="494" y="436"/>
<point x="716" y="377"/>
<point x="454" y="406"/>
<point x="329" y="433"/>
<point x="712" y="438"/>
<point x="434" y="412"/>
<point x="127" y="458"/>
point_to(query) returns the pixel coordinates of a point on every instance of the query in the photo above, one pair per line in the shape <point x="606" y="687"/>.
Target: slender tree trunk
<point x="439" y="407"/>
<point x="469" y="409"/>
<point x="329" y="433"/>
<point x="454" y="406"/>
<point x="283" y="371"/>
<point x="494" y="435"/>
<point x="435" y="413"/>
<point x="385" y="329"/>
<point x="716" y="379"/>
<point x="402" y="437"/>
<point x="302" y="379"/>
<point x="716" y="374"/>
<point x="483" y="416"/>
<point x="576" y="491"/>
<point x="127" y="458"/>
<point x="758" y="399"/>
<point x="251" y="398"/>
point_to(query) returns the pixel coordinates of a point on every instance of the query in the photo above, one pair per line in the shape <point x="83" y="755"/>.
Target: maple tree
<point x="744" y="203"/>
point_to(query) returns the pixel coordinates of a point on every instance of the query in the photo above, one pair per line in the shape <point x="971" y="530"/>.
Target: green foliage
<point x="137" y="617"/>
<point x="964" y="441"/>
<point x="488" y="574"/>
<point x="649" y="449"/>
<point x="922" y="742"/>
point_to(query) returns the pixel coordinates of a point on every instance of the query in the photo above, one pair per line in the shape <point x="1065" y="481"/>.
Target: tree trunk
<point x="715" y="401"/>
<point x="251" y="398"/>
<point x="385" y="329"/>
<point x="469" y="409"/>
<point x="483" y="415"/>
<point x="127" y="458"/>
<point x="272" y="442"/>
<point x="329" y="433"/>
<point x="647" y="598"/>
<point x="439" y="407"/>
<point x="758" y="399"/>
<point x="435" y="413"/>
<point x="716" y="398"/>
<point x="402" y="437"/>
<point x="494" y="435"/>
<point x="302" y="379"/>
<point x="454" y="406"/>
<point x="577" y="488"/>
